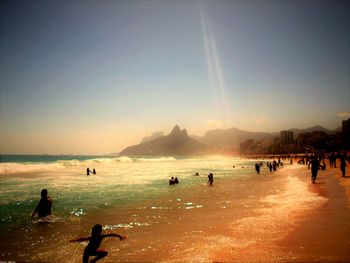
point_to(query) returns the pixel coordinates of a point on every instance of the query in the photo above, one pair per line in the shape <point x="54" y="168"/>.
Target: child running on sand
<point x="92" y="249"/>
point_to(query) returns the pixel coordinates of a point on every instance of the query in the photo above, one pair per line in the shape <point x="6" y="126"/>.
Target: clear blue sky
<point x="92" y="77"/>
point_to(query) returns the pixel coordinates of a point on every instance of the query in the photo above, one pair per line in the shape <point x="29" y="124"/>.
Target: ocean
<point x="119" y="181"/>
<point x="131" y="196"/>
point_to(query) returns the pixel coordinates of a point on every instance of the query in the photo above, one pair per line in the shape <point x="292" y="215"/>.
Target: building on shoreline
<point x="286" y="138"/>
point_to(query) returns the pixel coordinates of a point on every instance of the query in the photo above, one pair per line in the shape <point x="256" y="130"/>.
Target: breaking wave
<point x="28" y="167"/>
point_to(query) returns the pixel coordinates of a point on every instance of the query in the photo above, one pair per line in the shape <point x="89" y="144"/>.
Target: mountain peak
<point x="176" y="130"/>
<point x="176" y="143"/>
<point x="184" y="132"/>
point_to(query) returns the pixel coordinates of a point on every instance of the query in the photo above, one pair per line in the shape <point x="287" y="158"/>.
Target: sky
<point x="93" y="77"/>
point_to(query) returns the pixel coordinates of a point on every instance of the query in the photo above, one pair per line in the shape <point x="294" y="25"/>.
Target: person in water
<point x="93" y="247"/>
<point x="342" y="166"/>
<point x="93" y="171"/>
<point x="257" y="168"/>
<point x="88" y="171"/>
<point x="210" y="179"/>
<point x="44" y="206"/>
<point x="315" y="165"/>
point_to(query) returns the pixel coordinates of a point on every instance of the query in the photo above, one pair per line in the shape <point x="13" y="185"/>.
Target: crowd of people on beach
<point x="317" y="162"/>
<point x="314" y="162"/>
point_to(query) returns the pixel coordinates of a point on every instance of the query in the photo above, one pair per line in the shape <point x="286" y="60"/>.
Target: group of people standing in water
<point x="173" y="180"/>
<point x="88" y="171"/>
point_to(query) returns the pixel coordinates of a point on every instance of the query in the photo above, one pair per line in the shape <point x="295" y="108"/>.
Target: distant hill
<point x="176" y="143"/>
<point x="230" y="138"/>
<point x="220" y="140"/>
<point x="153" y="136"/>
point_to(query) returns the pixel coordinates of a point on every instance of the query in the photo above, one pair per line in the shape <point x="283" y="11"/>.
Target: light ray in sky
<point x="215" y="71"/>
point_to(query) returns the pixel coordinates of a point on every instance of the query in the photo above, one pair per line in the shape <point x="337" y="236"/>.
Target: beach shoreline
<point x="322" y="234"/>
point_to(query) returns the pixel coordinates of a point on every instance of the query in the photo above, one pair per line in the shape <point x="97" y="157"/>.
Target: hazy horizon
<point x="93" y="77"/>
<point x="165" y="133"/>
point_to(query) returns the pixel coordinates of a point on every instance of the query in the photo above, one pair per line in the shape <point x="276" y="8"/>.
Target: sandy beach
<point x="270" y="217"/>
<point x="318" y="234"/>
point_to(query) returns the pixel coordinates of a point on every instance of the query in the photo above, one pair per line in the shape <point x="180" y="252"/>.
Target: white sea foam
<point x="153" y="160"/>
<point x="13" y="168"/>
<point x="296" y="195"/>
<point x="277" y="214"/>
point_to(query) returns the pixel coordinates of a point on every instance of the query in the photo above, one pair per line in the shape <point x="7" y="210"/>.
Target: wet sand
<point x="321" y="234"/>
<point x="324" y="235"/>
<point x="271" y="217"/>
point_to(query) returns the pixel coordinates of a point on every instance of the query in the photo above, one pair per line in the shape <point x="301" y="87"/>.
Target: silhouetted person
<point x="342" y="166"/>
<point x="44" y="206"/>
<point x="92" y="249"/>
<point x="274" y="165"/>
<point x="314" y="169"/>
<point x="176" y="181"/>
<point x="171" y="181"/>
<point x="196" y="174"/>
<point x="93" y="171"/>
<point x="257" y="168"/>
<point x="210" y="179"/>
<point x="88" y="171"/>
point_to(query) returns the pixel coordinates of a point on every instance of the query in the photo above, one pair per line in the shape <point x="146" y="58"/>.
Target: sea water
<point x="132" y="196"/>
<point x="119" y="181"/>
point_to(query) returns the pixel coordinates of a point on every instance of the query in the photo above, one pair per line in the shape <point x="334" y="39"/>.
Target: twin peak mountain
<point x="214" y="141"/>
<point x="176" y="143"/>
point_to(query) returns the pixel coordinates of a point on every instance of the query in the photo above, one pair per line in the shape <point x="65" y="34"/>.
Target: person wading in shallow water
<point x="342" y="166"/>
<point x="210" y="179"/>
<point x="92" y="249"/>
<point x="44" y="206"/>
<point x="315" y="164"/>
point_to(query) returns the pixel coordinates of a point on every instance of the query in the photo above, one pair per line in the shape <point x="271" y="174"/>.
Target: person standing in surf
<point x="342" y="165"/>
<point x="44" y="206"/>
<point x="315" y="164"/>
<point x="210" y="179"/>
